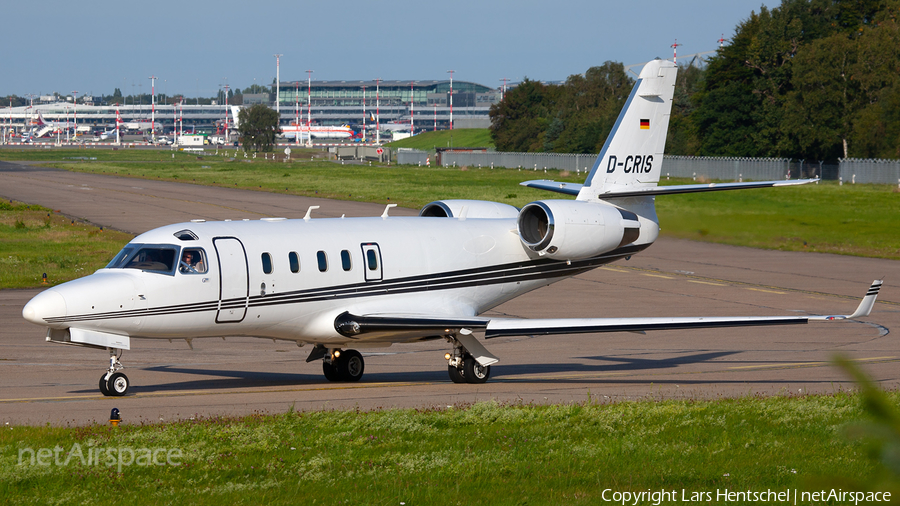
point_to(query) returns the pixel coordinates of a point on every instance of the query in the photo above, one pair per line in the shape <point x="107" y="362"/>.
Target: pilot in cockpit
<point x="191" y="263"/>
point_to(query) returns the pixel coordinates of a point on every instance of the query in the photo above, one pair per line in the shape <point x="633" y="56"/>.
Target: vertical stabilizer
<point x="633" y="152"/>
<point x="235" y="113"/>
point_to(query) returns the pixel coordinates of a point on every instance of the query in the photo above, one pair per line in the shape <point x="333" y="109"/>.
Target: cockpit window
<point x="193" y="261"/>
<point x="146" y="257"/>
<point x="119" y="261"/>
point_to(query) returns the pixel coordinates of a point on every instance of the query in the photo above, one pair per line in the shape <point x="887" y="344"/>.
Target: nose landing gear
<point x="114" y="383"/>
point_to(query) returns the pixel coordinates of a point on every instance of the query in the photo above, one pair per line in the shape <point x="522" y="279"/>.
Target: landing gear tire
<point x="475" y="372"/>
<point x="456" y="375"/>
<point x="330" y="371"/>
<point x="104" y="389"/>
<point x="117" y="385"/>
<point x="351" y="365"/>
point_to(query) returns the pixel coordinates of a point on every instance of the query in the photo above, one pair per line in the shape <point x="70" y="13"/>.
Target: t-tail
<point x="633" y="153"/>
<point x="626" y="173"/>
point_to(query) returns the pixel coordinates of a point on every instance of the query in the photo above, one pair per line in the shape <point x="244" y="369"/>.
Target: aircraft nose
<point x="47" y="304"/>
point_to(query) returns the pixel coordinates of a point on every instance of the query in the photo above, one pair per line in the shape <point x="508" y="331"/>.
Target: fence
<point x="696" y="167"/>
<point x="855" y="170"/>
<point x="732" y="169"/>
<point x="725" y="168"/>
<point x="561" y="161"/>
<point x="406" y="156"/>
<point x="362" y="153"/>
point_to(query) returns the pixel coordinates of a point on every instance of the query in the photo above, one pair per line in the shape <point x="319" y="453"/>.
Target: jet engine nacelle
<point x="468" y="209"/>
<point x="572" y="230"/>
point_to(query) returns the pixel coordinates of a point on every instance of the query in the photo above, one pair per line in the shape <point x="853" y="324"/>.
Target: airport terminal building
<point x="354" y="103"/>
<point x="349" y="102"/>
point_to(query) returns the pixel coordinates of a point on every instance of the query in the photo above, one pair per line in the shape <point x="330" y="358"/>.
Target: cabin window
<point x="345" y="260"/>
<point x="294" y="259"/>
<point x="267" y="263"/>
<point x="372" y="259"/>
<point x="323" y="261"/>
<point x="193" y="261"/>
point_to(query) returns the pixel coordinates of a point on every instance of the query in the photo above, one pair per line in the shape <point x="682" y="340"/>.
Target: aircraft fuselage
<point x="249" y="287"/>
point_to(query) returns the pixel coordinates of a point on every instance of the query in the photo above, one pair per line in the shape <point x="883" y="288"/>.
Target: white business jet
<point x="348" y="284"/>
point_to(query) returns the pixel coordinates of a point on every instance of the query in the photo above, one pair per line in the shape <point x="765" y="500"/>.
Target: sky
<point x="195" y="48"/>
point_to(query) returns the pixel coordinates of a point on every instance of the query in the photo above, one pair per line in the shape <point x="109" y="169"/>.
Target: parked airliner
<point x="45" y="127"/>
<point x="342" y="285"/>
<point x="293" y="130"/>
<point x="113" y="133"/>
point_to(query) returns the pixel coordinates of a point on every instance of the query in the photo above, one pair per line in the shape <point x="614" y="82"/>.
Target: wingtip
<point x="868" y="302"/>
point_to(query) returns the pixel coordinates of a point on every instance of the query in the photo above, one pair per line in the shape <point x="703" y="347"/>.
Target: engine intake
<point x="468" y="209"/>
<point x="572" y="230"/>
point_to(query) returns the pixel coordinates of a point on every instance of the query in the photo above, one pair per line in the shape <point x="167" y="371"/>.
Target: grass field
<point x="478" y="454"/>
<point x="862" y="220"/>
<point x="35" y="240"/>
<point x="465" y="138"/>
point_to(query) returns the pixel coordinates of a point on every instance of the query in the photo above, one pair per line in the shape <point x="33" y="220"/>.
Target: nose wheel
<point x="114" y="383"/>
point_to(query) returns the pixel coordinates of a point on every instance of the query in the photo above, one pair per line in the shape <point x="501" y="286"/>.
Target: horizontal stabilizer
<point x="554" y="186"/>
<point x="695" y="188"/>
<point x="631" y="191"/>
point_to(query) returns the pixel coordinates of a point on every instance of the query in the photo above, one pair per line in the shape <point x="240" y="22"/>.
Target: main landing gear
<point x="343" y="365"/>
<point x="463" y="368"/>
<point x="114" y="383"/>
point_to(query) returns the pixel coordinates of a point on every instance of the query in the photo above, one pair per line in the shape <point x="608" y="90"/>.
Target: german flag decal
<point x="645" y="124"/>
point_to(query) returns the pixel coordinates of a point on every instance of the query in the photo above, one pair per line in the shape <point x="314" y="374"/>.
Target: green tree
<point x="682" y="138"/>
<point x="589" y="106"/>
<point x="257" y="126"/>
<point x="799" y="80"/>
<point x="739" y="109"/>
<point x="255" y="88"/>
<point x="876" y="133"/>
<point x="519" y="121"/>
<point x="839" y="93"/>
<point x="819" y="109"/>
<point x="572" y="118"/>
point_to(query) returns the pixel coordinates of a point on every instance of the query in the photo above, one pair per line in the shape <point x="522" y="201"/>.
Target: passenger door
<point x="234" y="280"/>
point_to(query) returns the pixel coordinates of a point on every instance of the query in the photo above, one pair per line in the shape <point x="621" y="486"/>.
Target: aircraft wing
<point x="554" y="186"/>
<point x="575" y="188"/>
<point x="419" y="325"/>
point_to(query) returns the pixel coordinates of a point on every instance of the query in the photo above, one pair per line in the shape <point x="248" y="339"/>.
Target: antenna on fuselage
<point x="308" y="212"/>
<point x="386" y="209"/>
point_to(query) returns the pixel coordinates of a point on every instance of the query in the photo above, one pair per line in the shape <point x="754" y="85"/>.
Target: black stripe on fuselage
<point x="464" y="278"/>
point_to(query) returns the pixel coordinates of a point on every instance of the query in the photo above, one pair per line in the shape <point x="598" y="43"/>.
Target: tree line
<point x="809" y="79"/>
